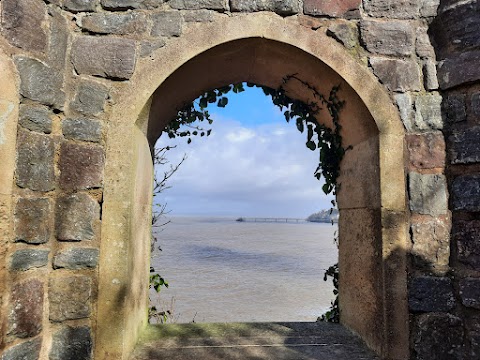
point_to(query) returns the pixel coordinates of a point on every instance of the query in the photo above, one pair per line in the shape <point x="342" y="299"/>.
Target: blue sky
<point x="253" y="164"/>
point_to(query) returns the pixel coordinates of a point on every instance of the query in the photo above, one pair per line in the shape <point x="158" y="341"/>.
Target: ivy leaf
<point x="222" y="102"/>
<point x="300" y="125"/>
<point x="203" y="103"/>
<point x="311" y="145"/>
<point x="189" y="141"/>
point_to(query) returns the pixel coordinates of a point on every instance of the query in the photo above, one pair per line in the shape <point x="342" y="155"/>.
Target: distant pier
<point x="269" y="220"/>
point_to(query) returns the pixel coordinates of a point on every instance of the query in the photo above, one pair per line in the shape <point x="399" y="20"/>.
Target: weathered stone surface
<point x="32" y="220"/>
<point x="456" y="30"/>
<point x="82" y="129"/>
<point x="80" y="5"/>
<point x="35" y="159"/>
<point x="108" y="57"/>
<point x="130" y="23"/>
<point x="465" y="236"/>
<point x="429" y="8"/>
<point x="397" y="75"/>
<point x="459" y="69"/>
<point x="69" y="298"/>
<point x="76" y="258"/>
<point x="90" y="98"/>
<point x="470" y="292"/>
<point x="329" y="7"/>
<point x="431" y="244"/>
<point x="428" y="194"/>
<point x="35" y="118"/>
<point x="40" y="82"/>
<point x="219" y="5"/>
<point x="399" y="9"/>
<point x="167" y="24"/>
<point x="466" y="193"/>
<point x="465" y="146"/>
<point x="423" y="44"/>
<point x="430" y="79"/>
<point x="26" y="313"/>
<point x="405" y="107"/>
<point x="199" y="16"/>
<point x="395" y="38"/>
<point x="148" y="47"/>
<point x="28" y="350"/>
<point x="286" y="7"/>
<point x="59" y="35"/>
<point x="475" y="103"/>
<point x="29" y="258"/>
<point x="345" y="33"/>
<point x="72" y="343"/>
<point x="75" y="217"/>
<point x="428" y="112"/>
<point x="120" y="5"/>
<point x="23" y="23"/>
<point x="426" y="151"/>
<point x="430" y="294"/>
<point x="454" y="108"/>
<point x="438" y="336"/>
<point x="81" y="166"/>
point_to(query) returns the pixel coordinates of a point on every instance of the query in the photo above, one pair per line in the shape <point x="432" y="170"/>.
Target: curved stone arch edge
<point x="127" y="143"/>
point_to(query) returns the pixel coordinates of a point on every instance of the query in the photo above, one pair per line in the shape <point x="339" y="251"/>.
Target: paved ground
<point x="249" y="341"/>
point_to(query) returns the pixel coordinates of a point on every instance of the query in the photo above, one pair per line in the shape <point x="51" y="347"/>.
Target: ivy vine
<point x="189" y="122"/>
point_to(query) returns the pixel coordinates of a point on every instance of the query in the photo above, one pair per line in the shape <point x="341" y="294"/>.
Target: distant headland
<point x="324" y="216"/>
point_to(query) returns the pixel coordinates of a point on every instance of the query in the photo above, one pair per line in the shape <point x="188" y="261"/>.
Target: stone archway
<point x="260" y="48"/>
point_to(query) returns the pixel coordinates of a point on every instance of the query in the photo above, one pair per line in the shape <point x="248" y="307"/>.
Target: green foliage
<point x="332" y="315"/>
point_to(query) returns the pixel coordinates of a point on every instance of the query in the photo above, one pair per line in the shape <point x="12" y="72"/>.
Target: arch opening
<point x="371" y="199"/>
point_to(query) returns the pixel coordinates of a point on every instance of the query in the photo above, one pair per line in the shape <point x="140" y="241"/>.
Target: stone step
<point x="249" y="341"/>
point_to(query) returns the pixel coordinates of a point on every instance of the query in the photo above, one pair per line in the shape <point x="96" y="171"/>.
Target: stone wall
<point x="73" y="56"/>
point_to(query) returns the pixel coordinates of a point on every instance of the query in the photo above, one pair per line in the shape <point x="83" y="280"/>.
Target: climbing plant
<point x="189" y="122"/>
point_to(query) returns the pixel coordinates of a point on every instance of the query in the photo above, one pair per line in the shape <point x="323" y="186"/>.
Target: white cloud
<point x="240" y="171"/>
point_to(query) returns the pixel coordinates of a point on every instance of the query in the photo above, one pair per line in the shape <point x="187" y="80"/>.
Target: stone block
<point x="69" y="298"/>
<point x="459" y="69"/>
<point x="345" y="33"/>
<point x="466" y="235"/>
<point x="430" y="80"/>
<point x="285" y="8"/>
<point x="219" y="5"/>
<point x="397" y="75"/>
<point x="29" y="258"/>
<point x="395" y="38"/>
<point x="437" y="336"/>
<point x="405" y="106"/>
<point x="90" y="98"/>
<point x="431" y="244"/>
<point x="199" y="16"/>
<point x="76" y="258"/>
<point x="423" y="44"/>
<point x="83" y="129"/>
<point x="475" y="103"/>
<point x="28" y="350"/>
<point x="35" y="118"/>
<point x="428" y="194"/>
<point x="39" y="82"/>
<point x="59" y="36"/>
<point x="470" y="292"/>
<point x="148" y="47"/>
<point x="121" y="5"/>
<point x="465" y="146"/>
<point x="167" y="24"/>
<point x="428" y="112"/>
<point x="23" y="23"/>
<point x="429" y="8"/>
<point x="454" y="108"/>
<point x="426" y="151"/>
<point x="35" y="161"/>
<point x="81" y="166"/>
<point x="466" y="193"/>
<point x="330" y="8"/>
<point x="80" y="5"/>
<point x="75" y="217"/>
<point x="399" y="9"/>
<point x="109" y="57"/>
<point x="32" y="220"/>
<point x="430" y="294"/>
<point x="26" y="304"/>
<point x="129" y="23"/>
<point x="72" y="343"/>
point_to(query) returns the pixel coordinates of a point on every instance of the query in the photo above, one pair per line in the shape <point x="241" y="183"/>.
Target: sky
<point x="253" y="164"/>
